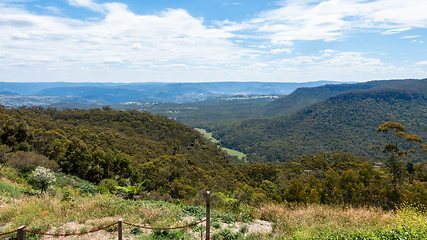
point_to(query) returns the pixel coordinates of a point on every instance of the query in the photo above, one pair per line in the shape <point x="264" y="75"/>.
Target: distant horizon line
<point x="225" y="81"/>
<point x="231" y="81"/>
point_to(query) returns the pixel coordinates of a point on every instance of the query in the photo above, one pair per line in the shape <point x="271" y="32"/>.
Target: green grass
<point x="231" y="152"/>
<point x="11" y="191"/>
<point x="289" y="221"/>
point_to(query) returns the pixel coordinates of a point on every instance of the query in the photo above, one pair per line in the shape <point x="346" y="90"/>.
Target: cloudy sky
<point x="212" y="40"/>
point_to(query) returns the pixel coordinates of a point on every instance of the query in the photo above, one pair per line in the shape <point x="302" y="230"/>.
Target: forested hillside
<point x="153" y="157"/>
<point x="211" y="114"/>
<point x="304" y="96"/>
<point x="215" y="113"/>
<point x="345" y="122"/>
<point x="106" y="144"/>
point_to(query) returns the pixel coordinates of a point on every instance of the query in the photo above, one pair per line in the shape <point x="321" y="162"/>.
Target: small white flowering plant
<point x="42" y="178"/>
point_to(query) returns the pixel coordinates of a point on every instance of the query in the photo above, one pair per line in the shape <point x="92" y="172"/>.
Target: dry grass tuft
<point x="76" y="212"/>
<point x="306" y="221"/>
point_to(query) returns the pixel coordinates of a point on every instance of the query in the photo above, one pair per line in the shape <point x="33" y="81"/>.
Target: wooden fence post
<point x="120" y="230"/>
<point x="21" y="233"/>
<point x="208" y="215"/>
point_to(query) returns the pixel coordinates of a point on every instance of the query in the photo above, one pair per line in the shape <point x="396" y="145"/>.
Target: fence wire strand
<point x="71" y="234"/>
<point x="102" y="228"/>
<point x="6" y="233"/>
<point x="169" y="228"/>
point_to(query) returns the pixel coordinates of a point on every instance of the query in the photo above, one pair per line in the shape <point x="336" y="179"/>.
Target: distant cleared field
<point x="231" y="152"/>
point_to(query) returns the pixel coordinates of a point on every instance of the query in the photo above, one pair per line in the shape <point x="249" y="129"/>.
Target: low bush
<point x="226" y="234"/>
<point x="42" y="178"/>
<point x="26" y="162"/>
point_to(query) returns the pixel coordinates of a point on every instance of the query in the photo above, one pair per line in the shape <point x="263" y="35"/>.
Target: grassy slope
<point x="53" y="212"/>
<point x="231" y="152"/>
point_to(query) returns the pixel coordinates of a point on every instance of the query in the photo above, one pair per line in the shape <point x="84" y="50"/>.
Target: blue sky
<point x="212" y="40"/>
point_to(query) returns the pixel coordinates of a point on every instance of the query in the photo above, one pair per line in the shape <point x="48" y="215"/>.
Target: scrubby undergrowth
<point x="67" y="209"/>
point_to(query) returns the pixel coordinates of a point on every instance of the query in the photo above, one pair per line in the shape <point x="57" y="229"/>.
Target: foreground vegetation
<point x="62" y="205"/>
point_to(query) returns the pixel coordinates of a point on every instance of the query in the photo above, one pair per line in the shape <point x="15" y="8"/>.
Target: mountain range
<point x="97" y="94"/>
<point x="269" y="122"/>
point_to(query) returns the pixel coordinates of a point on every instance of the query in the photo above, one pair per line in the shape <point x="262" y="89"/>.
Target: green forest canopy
<point x="165" y="157"/>
<point x="345" y="122"/>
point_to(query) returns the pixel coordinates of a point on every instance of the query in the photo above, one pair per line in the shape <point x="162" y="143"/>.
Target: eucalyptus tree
<point x="396" y="150"/>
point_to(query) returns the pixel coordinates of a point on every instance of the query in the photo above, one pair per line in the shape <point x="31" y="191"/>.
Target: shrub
<point x="107" y="186"/>
<point x="244" y="229"/>
<point x="227" y="218"/>
<point x="42" y="178"/>
<point x="411" y="216"/>
<point x="84" y="186"/>
<point x="67" y="196"/>
<point x="245" y="217"/>
<point x="3" y="151"/>
<point x="226" y="234"/>
<point x="136" y="231"/>
<point x="88" y="188"/>
<point x="167" y="234"/>
<point x="196" y="211"/>
<point x="26" y="162"/>
<point x="216" y="224"/>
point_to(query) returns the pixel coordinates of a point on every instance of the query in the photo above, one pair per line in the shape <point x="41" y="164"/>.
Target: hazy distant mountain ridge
<point x="114" y="93"/>
<point x="304" y="96"/>
<point x="8" y="93"/>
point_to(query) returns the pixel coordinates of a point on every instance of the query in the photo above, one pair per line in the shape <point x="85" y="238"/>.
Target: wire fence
<point x="22" y="236"/>
<point x="21" y="230"/>
<point x="69" y="234"/>
<point x="169" y="228"/>
<point x="7" y="233"/>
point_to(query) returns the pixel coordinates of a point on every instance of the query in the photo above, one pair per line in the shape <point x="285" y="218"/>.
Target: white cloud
<point x="281" y="50"/>
<point x="277" y="41"/>
<point x="259" y="64"/>
<point x="171" y="35"/>
<point x="394" y="31"/>
<point x="341" y="66"/>
<point x="112" y="60"/>
<point x="231" y="4"/>
<point x="53" y="9"/>
<point x="422" y="63"/>
<point x="87" y="4"/>
<point x="173" y="45"/>
<point x="336" y="19"/>
<point x="20" y="36"/>
<point x="408" y="37"/>
<point x="137" y="46"/>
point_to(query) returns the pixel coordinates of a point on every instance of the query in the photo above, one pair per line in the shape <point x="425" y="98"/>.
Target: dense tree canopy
<point x="345" y="122"/>
<point x="157" y="156"/>
<point x="106" y="144"/>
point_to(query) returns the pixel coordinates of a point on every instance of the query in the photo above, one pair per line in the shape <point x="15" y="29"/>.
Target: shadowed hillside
<point x="304" y="96"/>
<point x="345" y="122"/>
